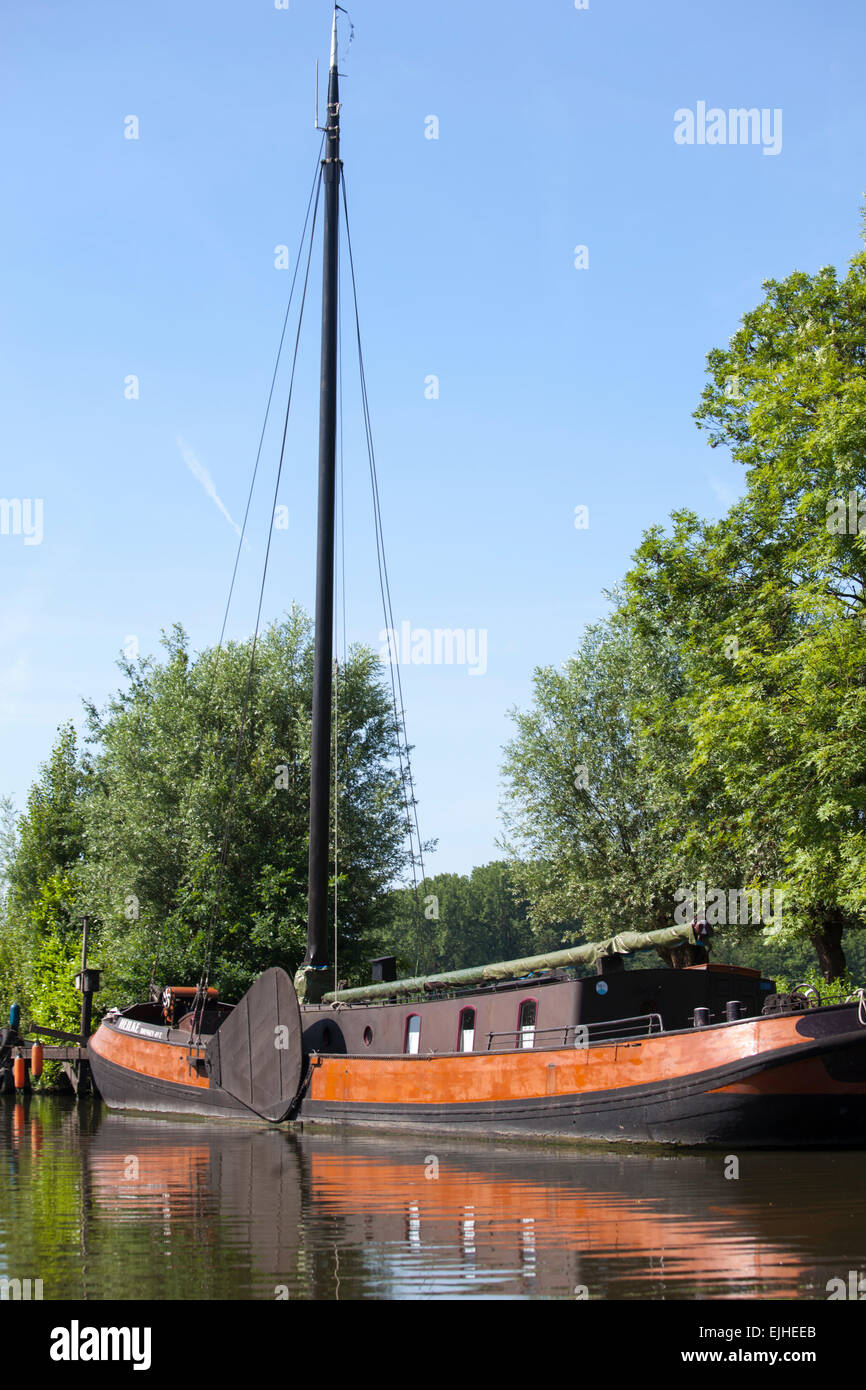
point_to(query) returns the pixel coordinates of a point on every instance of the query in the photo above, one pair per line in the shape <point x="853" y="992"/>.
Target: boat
<point x="691" y="1052"/>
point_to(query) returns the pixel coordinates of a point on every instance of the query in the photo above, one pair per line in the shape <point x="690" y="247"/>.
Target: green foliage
<point x="769" y="604"/>
<point x="39" y="924"/>
<point x="458" y="921"/>
<point x="721" y="710"/>
<point x="52" y="999"/>
<point x="12" y="958"/>
<point x="837" y="991"/>
<point x="50" y="833"/>
<point x="169" y="773"/>
<point x="713" y="727"/>
<point x="597" y="811"/>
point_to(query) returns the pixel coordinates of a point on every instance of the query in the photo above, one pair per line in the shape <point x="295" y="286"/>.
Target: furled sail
<point x="589" y="954"/>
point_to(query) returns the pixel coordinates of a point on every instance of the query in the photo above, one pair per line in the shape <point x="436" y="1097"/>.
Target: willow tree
<point x="718" y="720"/>
<point x="597" y="809"/>
<point x="771" y="607"/>
<point x="197" y="835"/>
<point x="41" y="928"/>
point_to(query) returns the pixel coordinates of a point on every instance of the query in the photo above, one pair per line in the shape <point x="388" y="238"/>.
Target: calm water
<point x="100" y="1206"/>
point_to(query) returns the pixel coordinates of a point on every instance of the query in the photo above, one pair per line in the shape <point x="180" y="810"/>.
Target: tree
<point x="8" y="841"/>
<point x="770" y="607"/>
<point x="50" y="833"/>
<point x="597" y="812"/>
<point x="197" y="838"/>
<point x="464" y="920"/>
<point x="10" y="954"/>
<point x="42" y="926"/>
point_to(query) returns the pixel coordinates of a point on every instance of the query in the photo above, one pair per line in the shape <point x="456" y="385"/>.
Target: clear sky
<point x="559" y="386"/>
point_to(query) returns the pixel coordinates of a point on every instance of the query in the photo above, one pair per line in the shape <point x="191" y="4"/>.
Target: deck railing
<point x="580" y="1035"/>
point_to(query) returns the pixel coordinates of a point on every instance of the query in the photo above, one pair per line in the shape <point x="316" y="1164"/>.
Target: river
<point x="104" y="1206"/>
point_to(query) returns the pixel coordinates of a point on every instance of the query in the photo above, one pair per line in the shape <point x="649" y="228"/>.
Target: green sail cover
<point x="622" y="945"/>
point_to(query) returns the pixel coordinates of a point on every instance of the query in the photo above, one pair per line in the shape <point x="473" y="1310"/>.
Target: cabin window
<point x="526" y="1023"/>
<point x="413" y="1033"/>
<point x="368" y="1036"/>
<point x="466" y="1036"/>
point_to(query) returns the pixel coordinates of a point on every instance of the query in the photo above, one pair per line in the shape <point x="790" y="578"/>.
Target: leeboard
<point x="256" y="1056"/>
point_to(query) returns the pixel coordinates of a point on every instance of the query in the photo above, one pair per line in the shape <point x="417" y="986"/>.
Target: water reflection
<point x="101" y="1205"/>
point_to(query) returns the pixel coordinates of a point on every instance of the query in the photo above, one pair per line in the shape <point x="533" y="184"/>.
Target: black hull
<point x="746" y="1122"/>
<point x="123" y="1089"/>
<point x="677" y="1114"/>
<point x="687" y="1111"/>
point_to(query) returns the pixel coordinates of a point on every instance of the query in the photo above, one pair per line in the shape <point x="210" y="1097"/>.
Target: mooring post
<point x="87" y="981"/>
<point x="7" y="1042"/>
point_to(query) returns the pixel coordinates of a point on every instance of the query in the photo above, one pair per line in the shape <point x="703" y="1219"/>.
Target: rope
<point x="242" y="537"/>
<point x="859" y="998"/>
<point x="341" y="531"/>
<point x="406" y="779"/>
<point x="336" y="819"/>
<point x="208" y="957"/>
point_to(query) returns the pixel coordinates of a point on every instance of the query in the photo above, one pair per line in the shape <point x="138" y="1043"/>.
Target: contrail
<point x="199" y="471"/>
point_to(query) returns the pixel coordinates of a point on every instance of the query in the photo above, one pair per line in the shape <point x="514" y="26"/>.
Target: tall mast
<point x="316" y="959"/>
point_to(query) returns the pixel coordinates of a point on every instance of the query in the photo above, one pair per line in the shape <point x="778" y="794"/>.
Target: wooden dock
<point x="70" y="1049"/>
<point x="55" y="1054"/>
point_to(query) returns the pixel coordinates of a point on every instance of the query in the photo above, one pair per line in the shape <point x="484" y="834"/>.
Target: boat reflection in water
<point x="270" y="1214"/>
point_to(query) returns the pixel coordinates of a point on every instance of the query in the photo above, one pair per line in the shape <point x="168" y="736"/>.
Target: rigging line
<point x="385" y="587"/>
<point x="397" y="705"/>
<point x="242" y="730"/>
<point x="243" y="530"/>
<point x="313" y="191"/>
<point x="342" y="490"/>
<point x="351" y="28"/>
<point x="342" y="532"/>
<point x="336" y="817"/>
<point x="406" y="776"/>
<point x="245" y="708"/>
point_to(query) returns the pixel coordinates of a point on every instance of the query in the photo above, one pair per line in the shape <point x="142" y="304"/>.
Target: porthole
<point x="368" y="1036"/>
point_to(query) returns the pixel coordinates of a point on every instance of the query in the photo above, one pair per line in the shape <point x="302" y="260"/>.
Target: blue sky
<point x="558" y="387"/>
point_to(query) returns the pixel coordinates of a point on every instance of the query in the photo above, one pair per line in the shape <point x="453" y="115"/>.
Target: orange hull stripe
<point x="806" y="1078"/>
<point x="473" y="1078"/>
<point x="157" y="1059"/>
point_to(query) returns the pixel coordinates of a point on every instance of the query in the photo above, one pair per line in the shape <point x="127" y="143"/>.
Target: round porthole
<point x="368" y="1036"/>
<point x="601" y="987"/>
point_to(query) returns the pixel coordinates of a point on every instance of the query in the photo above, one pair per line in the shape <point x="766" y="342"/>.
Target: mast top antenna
<point x="338" y="9"/>
<point x="334" y="38"/>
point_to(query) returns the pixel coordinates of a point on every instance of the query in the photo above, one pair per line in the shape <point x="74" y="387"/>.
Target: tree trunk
<point x="827" y="940"/>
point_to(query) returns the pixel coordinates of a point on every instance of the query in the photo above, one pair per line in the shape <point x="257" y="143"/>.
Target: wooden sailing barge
<point x="706" y="1054"/>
